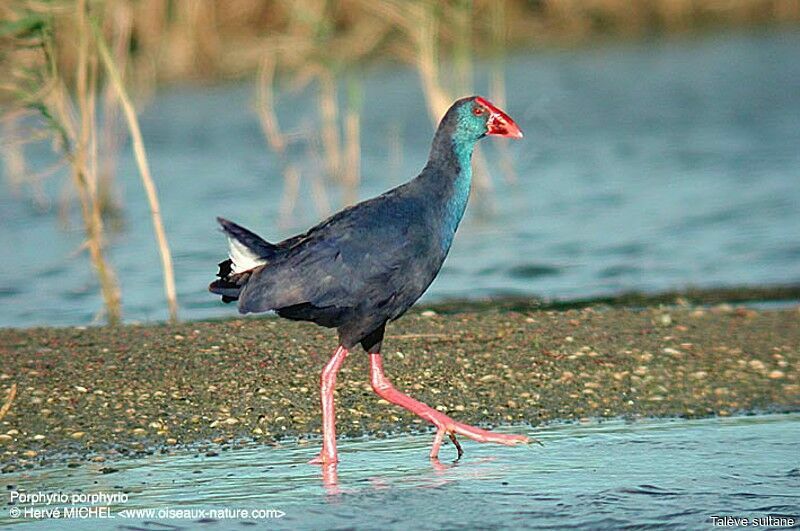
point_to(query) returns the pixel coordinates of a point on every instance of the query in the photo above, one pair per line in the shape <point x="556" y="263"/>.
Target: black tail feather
<point x="229" y="284"/>
<point x="249" y="239"/>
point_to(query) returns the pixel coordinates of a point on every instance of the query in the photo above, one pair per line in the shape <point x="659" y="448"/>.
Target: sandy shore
<point x="97" y="393"/>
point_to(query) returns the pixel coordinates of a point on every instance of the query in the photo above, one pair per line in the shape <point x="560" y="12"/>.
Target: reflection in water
<point x="330" y="475"/>
<point x="610" y="474"/>
<point x="330" y="478"/>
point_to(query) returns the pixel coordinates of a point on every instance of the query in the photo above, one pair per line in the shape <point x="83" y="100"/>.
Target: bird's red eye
<point x="477" y="111"/>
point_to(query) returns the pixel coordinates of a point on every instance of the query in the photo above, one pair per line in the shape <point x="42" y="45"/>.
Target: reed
<point x="84" y="159"/>
<point x="68" y="107"/>
<point x="277" y="141"/>
<point x="144" y="172"/>
<point x="68" y="117"/>
<point x="497" y="81"/>
<point x="351" y="174"/>
<point x="16" y="168"/>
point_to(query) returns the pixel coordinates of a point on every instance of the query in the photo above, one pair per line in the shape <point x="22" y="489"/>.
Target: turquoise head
<point x="475" y="117"/>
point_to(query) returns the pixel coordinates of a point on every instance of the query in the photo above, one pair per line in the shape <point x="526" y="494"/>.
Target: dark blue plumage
<point x="369" y="263"/>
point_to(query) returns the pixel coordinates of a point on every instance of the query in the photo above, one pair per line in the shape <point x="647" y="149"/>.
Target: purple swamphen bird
<point x="369" y="263"/>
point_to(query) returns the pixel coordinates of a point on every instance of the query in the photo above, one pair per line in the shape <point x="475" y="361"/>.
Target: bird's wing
<point x="339" y="264"/>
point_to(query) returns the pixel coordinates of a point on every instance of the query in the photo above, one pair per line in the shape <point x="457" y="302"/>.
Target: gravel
<point x="98" y="393"/>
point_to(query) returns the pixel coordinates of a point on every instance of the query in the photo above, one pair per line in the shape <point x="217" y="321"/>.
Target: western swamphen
<point x="369" y="263"/>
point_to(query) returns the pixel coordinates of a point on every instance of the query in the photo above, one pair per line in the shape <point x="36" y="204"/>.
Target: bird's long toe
<point x="486" y="436"/>
<point x="324" y="459"/>
<point x="446" y="425"/>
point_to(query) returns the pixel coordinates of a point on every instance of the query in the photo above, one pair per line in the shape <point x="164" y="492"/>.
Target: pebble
<point x="475" y="374"/>
<point x="78" y="434"/>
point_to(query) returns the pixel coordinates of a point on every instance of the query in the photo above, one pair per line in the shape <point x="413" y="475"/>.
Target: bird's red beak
<point x="499" y="123"/>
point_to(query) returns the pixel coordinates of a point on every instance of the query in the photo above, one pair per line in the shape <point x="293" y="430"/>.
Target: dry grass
<point x="191" y="39"/>
<point x="68" y="107"/>
<point x="144" y="171"/>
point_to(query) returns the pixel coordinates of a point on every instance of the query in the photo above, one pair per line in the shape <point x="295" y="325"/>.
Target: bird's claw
<point x="451" y="428"/>
<point x="437" y="442"/>
<point x="456" y="444"/>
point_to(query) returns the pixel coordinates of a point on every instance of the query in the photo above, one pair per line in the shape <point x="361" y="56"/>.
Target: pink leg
<point x="443" y="423"/>
<point x="327" y="385"/>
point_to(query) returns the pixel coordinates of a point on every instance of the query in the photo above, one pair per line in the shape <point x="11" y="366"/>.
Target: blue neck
<point x="457" y="193"/>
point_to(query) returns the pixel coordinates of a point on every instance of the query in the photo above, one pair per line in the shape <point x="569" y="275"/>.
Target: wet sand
<point x="100" y="393"/>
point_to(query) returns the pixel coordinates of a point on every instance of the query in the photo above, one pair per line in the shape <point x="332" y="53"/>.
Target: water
<point x="674" y="473"/>
<point x="646" y="167"/>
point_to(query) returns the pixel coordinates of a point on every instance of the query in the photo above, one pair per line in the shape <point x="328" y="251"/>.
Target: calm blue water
<point x="641" y="475"/>
<point x="644" y="167"/>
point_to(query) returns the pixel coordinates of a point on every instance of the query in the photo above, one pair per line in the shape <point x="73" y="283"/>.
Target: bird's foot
<point x="446" y="425"/>
<point x="325" y="458"/>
